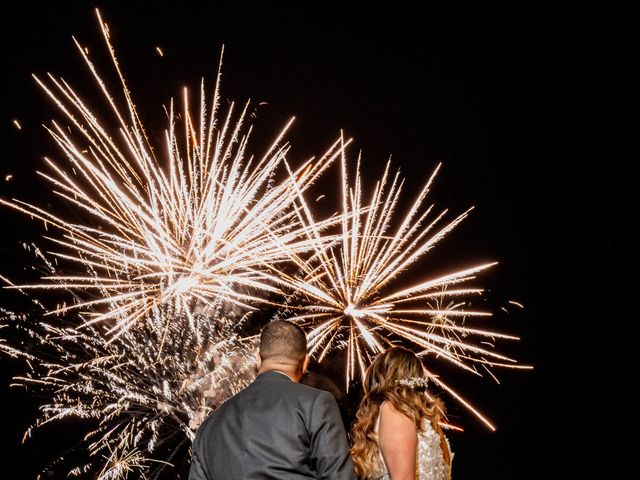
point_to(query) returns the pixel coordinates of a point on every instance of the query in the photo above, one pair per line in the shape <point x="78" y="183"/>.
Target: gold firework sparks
<point x="348" y="297"/>
<point x="170" y="249"/>
<point x="148" y="389"/>
<point x="195" y="223"/>
<point x="206" y="221"/>
<point x="122" y="462"/>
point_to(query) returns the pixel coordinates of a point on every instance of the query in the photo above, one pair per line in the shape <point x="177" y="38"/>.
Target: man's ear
<point x="258" y="359"/>
<point x="305" y="364"/>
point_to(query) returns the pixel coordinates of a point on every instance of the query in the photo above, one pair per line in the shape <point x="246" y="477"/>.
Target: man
<point x="276" y="428"/>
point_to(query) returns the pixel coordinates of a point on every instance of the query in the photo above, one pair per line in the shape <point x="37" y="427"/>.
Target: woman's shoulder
<point x="390" y="414"/>
<point x="388" y="409"/>
<point x="386" y="405"/>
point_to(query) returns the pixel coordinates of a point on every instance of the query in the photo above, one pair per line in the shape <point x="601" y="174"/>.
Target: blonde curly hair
<point x="392" y="377"/>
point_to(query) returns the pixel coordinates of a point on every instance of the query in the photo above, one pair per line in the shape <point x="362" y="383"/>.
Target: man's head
<point x="283" y="346"/>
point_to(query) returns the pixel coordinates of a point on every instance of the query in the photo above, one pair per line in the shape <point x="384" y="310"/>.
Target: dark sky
<point x="518" y="105"/>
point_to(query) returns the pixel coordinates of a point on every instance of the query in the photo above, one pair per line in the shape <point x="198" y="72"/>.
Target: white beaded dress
<point x="430" y="462"/>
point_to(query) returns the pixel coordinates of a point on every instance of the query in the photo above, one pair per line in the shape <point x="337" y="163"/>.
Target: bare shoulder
<point x="398" y="441"/>
<point x="388" y="407"/>
<point x="391" y="417"/>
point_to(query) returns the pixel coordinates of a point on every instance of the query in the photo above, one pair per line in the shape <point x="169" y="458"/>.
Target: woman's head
<point x="395" y="374"/>
<point x="398" y="376"/>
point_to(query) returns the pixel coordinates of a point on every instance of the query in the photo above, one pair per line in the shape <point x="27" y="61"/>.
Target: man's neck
<point x="292" y="374"/>
<point x="285" y="374"/>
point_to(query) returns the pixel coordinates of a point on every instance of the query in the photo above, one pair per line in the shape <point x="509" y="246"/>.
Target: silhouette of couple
<point x="277" y="428"/>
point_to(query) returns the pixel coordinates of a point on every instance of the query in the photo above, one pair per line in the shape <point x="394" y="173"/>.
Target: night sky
<point x="518" y="105"/>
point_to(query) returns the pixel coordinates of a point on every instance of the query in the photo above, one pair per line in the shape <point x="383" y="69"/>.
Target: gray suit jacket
<point x="274" y="429"/>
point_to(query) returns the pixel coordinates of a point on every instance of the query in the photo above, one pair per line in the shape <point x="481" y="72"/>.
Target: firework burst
<point x="207" y="221"/>
<point x="148" y="390"/>
<point x="347" y="297"/>
<point x="172" y="252"/>
<point x="174" y="247"/>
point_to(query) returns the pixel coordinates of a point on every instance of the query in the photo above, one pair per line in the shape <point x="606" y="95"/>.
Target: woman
<point x="396" y="434"/>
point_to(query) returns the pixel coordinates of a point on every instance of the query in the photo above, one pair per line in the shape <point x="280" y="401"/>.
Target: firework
<point x="148" y="390"/>
<point x="206" y="221"/>
<point x="347" y="297"/>
<point x="175" y="243"/>
<point x="171" y="252"/>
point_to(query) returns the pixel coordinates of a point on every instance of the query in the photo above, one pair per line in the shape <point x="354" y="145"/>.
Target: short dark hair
<point x="283" y="340"/>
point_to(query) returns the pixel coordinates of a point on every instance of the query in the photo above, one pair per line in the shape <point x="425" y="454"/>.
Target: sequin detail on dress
<point x="431" y="464"/>
<point x="430" y="458"/>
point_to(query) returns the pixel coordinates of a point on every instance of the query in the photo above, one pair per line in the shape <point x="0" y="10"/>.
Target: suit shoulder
<point x="219" y="411"/>
<point x="314" y="393"/>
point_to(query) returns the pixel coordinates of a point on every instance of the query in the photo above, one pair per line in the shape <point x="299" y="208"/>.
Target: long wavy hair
<point x="391" y="376"/>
